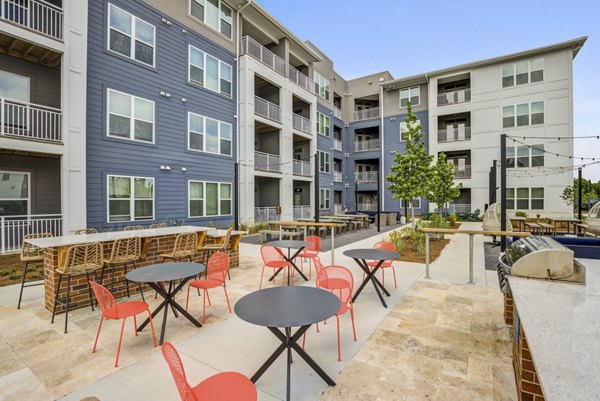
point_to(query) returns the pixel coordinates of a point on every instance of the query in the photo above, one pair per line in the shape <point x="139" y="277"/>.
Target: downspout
<point x="382" y="162"/>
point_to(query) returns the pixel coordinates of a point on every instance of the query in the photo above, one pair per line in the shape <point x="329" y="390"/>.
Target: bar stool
<point x="186" y="245"/>
<point x="82" y="231"/>
<point x="131" y="228"/>
<point x="209" y="249"/>
<point x="30" y="254"/>
<point x="124" y="251"/>
<point x="81" y="259"/>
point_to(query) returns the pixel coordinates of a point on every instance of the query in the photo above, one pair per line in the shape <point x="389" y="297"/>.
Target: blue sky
<point x="409" y="37"/>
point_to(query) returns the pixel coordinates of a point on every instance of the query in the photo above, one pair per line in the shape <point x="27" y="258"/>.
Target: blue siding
<point x="122" y="157"/>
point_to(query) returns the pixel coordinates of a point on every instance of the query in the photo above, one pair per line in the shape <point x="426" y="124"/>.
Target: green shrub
<point x="396" y="238"/>
<point x="452" y="219"/>
<point x="520" y="213"/>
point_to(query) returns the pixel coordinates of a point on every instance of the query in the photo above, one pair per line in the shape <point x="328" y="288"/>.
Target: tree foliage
<point x="443" y="189"/>
<point x="571" y="194"/>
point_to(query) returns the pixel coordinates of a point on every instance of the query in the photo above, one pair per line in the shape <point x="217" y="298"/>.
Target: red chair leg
<point x="187" y="299"/>
<point x="227" y="297"/>
<point x="352" y="318"/>
<point x="120" y="342"/>
<point x="208" y="297"/>
<point x="98" y="333"/>
<point x="394" y="272"/>
<point x="317" y="327"/>
<point x="338" y="338"/>
<point x="382" y="276"/>
<point x="151" y="327"/>
<point x="261" y="278"/>
<point x="204" y="307"/>
<point x="135" y="325"/>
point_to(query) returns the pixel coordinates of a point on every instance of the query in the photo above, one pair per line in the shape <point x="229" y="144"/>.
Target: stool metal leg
<point x="68" y="301"/>
<point x="56" y="297"/>
<point x="87" y="276"/>
<point x="126" y="281"/>
<point x="22" y="284"/>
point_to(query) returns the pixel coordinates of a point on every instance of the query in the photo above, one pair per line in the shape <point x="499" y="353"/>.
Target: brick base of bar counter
<point x="79" y="289"/>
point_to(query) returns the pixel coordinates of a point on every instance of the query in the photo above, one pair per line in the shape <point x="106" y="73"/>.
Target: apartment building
<point x="42" y="117"/>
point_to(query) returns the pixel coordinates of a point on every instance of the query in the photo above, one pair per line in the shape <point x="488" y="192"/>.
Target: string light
<point x="547" y="151"/>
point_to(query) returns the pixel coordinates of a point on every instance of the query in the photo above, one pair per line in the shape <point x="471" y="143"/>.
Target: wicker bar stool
<point x="30" y="254"/>
<point x="158" y="225"/>
<point x="185" y="246"/>
<point x="131" y="228"/>
<point x="82" y="231"/>
<point x="208" y="249"/>
<point x="124" y="251"/>
<point x="81" y="259"/>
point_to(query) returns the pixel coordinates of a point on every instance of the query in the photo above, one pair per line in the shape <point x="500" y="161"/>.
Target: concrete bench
<point x="270" y="233"/>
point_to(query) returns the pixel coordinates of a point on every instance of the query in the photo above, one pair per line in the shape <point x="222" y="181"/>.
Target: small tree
<point x="571" y="195"/>
<point x="411" y="174"/>
<point x="443" y="189"/>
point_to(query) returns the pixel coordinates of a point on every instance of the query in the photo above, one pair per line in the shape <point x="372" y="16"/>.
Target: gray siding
<point x="44" y="81"/>
<point x="122" y="157"/>
<point x="325" y="144"/>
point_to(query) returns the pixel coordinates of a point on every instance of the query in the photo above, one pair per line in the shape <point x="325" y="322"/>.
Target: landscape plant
<point x="442" y="188"/>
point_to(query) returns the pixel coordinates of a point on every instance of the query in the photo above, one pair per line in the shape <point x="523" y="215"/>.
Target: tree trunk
<point x="412" y="216"/>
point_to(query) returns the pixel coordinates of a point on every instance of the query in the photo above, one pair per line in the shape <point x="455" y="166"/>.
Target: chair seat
<point x="343" y="309"/>
<point x="122" y="259"/>
<point x="33" y="258"/>
<point x="277" y="264"/>
<point x="226" y="386"/>
<point x="206" y="284"/>
<point x="308" y="255"/>
<point x="175" y="254"/>
<point x="373" y="263"/>
<point x="79" y="269"/>
<point x="333" y="283"/>
<point x="126" y="309"/>
<point x="212" y="247"/>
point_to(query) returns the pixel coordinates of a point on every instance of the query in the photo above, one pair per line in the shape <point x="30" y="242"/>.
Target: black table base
<point x="169" y="300"/>
<point x="370" y="276"/>
<point x="289" y="342"/>
<point x="291" y="260"/>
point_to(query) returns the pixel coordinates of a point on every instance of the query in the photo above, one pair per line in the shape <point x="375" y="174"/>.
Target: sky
<point x="411" y="37"/>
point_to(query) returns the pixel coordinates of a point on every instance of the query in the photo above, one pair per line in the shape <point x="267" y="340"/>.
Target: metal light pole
<point x="579" y="190"/>
<point x="317" y="189"/>
<point x="236" y="201"/>
<point x="379" y="202"/>
<point x="503" y="191"/>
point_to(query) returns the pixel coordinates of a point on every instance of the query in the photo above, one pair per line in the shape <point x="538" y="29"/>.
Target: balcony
<point x="365" y="146"/>
<point x="363" y="177"/>
<point x="266" y="214"/>
<point x="35" y="15"/>
<point x="302" y="212"/>
<point x="300" y="79"/>
<point x="337" y="144"/>
<point x="267" y="162"/>
<point x="30" y="121"/>
<point x="14" y="228"/>
<point x="301" y="123"/>
<point x="367" y="207"/>
<point x="337" y="113"/>
<point x="454" y="97"/>
<point x="266" y="109"/>
<point x="456" y="208"/>
<point x="454" y="134"/>
<point x="338" y="176"/>
<point x="302" y="168"/>
<point x="366" y="114"/>
<point x="262" y="54"/>
<point x="462" y="172"/>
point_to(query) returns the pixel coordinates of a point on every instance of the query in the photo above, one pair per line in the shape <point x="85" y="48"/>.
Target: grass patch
<point x="11" y="270"/>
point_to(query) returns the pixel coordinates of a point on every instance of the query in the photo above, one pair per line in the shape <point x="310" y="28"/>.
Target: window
<point x="324" y="198"/>
<point x="208" y="135"/>
<point x="130" y="198"/>
<point x="324" y="162"/>
<point x="130" y="36"/>
<point x="321" y="86"/>
<point x="523" y="72"/>
<point x="209" y="198"/>
<point x="525" y="156"/>
<point x="323" y="124"/>
<point x="404" y="130"/>
<point x="209" y="72"/>
<point x="525" y="198"/>
<point x="409" y="95"/>
<point x="213" y="13"/>
<point x="416" y="203"/>
<point x="525" y="113"/>
<point x="14" y="87"/>
<point x="130" y="117"/>
<point x="14" y="193"/>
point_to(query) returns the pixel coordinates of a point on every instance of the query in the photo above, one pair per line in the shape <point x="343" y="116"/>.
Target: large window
<point x="208" y="135"/>
<point x="525" y="113"/>
<point x="525" y="156"/>
<point x="130" y="117"/>
<point x="411" y="95"/>
<point x="14" y="193"/>
<point x="14" y="86"/>
<point x="210" y="72"/>
<point x="130" y="36"/>
<point x="523" y="72"/>
<point x="323" y="124"/>
<point x="130" y="198"/>
<point x="416" y="203"/>
<point x="321" y="85"/>
<point x="324" y="162"/>
<point x="404" y="129"/>
<point x="213" y="13"/>
<point x="209" y="199"/>
<point x="324" y="198"/>
<point x="525" y="198"/>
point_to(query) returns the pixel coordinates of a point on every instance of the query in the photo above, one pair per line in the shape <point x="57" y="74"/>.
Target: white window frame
<point x="515" y="198"/>
<point x="324" y="201"/>
<point x="220" y="124"/>
<point x="410" y="89"/>
<point x="322" y="83"/>
<point x="131" y="118"/>
<point x="404" y="128"/>
<point x="529" y="114"/>
<point x="325" y="128"/>
<point x="219" y="198"/>
<point x="413" y="201"/>
<point x="132" y="198"/>
<point x="530" y="155"/>
<point x="514" y="72"/>
<point x="219" y="75"/>
<point x="203" y="20"/>
<point x="326" y="156"/>
<point x="28" y="174"/>
<point x="132" y="37"/>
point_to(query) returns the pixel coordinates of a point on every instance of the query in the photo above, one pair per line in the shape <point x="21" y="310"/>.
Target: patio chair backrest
<point x="83" y="258"/>
<point x="29" y="251"/>
<point x="339" y="280"/>
<point x="105" y="298"/>
<point x="271" y="253"/>
<point x="385" y="246"/>
<point x="218" y="266"/>
<point x="315" y="246"/>
<point x="227" y="238"/>
<point x="185" y="244"/>
<point x="158" y="225"/>
<point x="129" y="248"/>
<point x="131" y="228"/>
<point x="176" y="366"/>
<point x="82" y="231"/>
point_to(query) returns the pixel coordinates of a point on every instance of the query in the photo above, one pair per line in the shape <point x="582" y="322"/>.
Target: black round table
<point x="290" y="244"/>
<point x="287" y="307"/>
<point x="155" y="276"/>
<point x="361" y="256"/>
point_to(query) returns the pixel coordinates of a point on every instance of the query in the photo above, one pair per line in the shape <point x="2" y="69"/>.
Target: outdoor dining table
<point x="361" y="256"/>
<point x="520" y="220"/>
<point x="568" y="220"/>
<point x="155" y="276"/>
<point x="282" y="308"/>
<point x="290" y="244"/>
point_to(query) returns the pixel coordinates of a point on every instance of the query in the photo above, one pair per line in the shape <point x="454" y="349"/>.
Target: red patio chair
<point x="113" y="311"/>
<point x="218" y="267"/>
<point x="310" y="252"/>
<point x="226" y="386"/>
<point x="386" y="246"/>
<point x="273" y="258"/>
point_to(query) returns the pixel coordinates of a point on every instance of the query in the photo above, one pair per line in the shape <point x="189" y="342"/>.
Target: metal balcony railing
<point x="302" y="212"/>
<point x="266" y="214"/>
<point x="14" y="228"/>
<point x="454" y="134"/>
<point x="302" y="168"/>
<point x="267" y="162"/>
<point x="456" y="208"/>
<point x="30" y="121"/>
<point x="338" y="176"/>
<point x="337" y="113"/>
<point x="36" y="15"/>
<point x="462" y="172"/>
<point x="364" y="146"/>
<point x="366" y="114"/>
<point x="264" y="55"/>
<point x="300" y="79"/>
<point x="454" y="97"/>
<point x="267" y="109"/>
<point x="365" y="176"/>
<point x="367" y="207"/>
<point x="301" y="123"/>
<point x="337" y="144"/>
